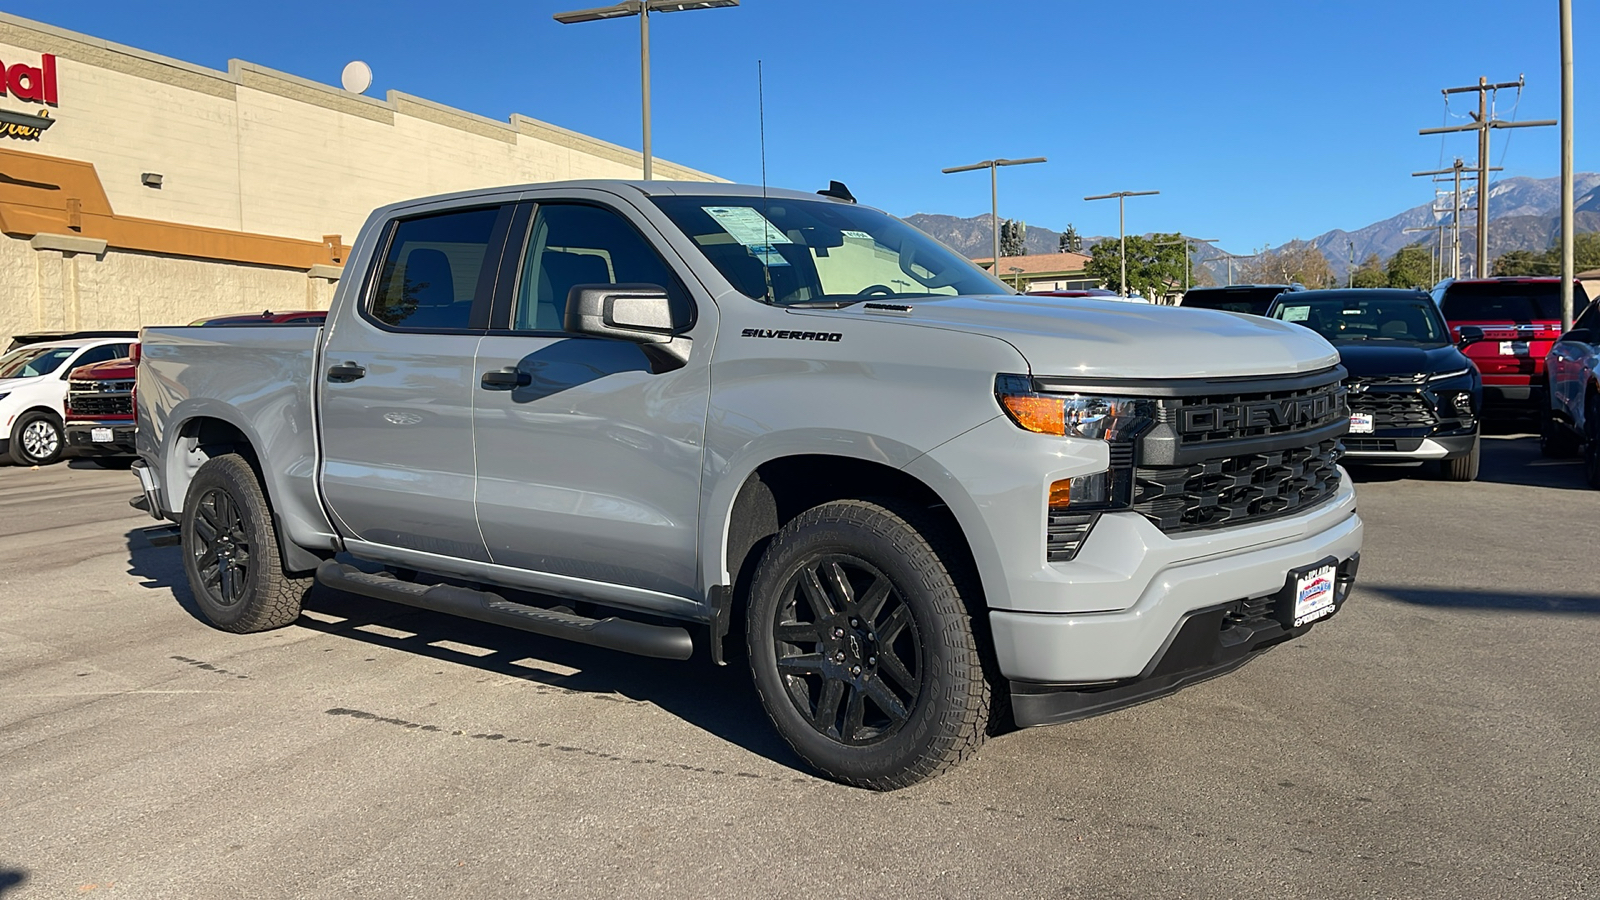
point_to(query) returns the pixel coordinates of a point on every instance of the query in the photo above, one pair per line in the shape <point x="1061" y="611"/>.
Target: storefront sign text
<point x="35" y="83"/>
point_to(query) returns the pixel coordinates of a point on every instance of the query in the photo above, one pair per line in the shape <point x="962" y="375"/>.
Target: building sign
<point x="34" y="84"/>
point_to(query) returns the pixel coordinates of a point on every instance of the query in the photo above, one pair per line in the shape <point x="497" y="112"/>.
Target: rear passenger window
<point x="435" y="269"/>
<point x="571" y="245"/>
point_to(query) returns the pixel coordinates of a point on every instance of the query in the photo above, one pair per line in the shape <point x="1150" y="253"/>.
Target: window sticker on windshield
<point x="747" y="226"/>
<point x="769" y="255"/>
<point x="860" y="235"/>
<point x="1296" y="313"/>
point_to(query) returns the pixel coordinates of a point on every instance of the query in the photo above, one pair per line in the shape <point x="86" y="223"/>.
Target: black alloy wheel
<point x="221" y="548"/>
<point x="848" y="650"/>
<point x="862" y="646"/>
<point x="231" y="553"/>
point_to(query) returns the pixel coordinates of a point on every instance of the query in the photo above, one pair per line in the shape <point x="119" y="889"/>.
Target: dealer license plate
<point x="100" y="435"/>
<point x="1361" y="423"/>
<point x="1313" y="596"/>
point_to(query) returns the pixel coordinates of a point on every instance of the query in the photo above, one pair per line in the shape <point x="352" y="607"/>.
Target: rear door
<point x="589" y="469"/>
<point x="398" y="384"/>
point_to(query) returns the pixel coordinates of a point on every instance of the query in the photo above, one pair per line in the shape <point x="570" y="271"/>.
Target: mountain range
<point x="1524" y="214"/>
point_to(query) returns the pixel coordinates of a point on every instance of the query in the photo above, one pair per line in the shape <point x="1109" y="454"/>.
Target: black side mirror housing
<point x="640" y="313"/>
<point x="1469" y="334"/>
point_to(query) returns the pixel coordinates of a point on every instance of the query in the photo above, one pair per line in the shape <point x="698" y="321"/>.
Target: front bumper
<point x="80" y="437"/>
<point x="1204" y="644"/>
<point x="1378" y="448"/>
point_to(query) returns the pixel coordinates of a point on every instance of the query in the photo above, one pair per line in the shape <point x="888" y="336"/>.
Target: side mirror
<point x="1580" y="335"/>
<point x="1468" y="334"/>
<point x="640" y="313"/>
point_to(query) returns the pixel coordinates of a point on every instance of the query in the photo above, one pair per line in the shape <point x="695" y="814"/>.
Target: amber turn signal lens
<point x="1061" y="494"/>
<point x="1039" y="414"/>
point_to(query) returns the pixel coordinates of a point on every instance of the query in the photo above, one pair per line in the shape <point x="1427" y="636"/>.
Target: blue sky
<point x="1258" y="121"/>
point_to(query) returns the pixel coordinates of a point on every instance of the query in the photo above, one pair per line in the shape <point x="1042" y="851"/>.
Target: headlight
<point x="1446" y="376"/>
<point x="1115" y="420"/>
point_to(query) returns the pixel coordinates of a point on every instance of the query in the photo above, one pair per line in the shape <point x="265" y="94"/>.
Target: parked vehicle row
<point x="628" y="413"/>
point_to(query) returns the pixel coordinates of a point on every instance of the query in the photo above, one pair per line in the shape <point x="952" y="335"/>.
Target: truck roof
<point x="616" y="186"/>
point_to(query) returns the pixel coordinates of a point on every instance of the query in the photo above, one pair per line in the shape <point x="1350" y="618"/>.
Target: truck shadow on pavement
<point x="1471" y="598"/>
<point x="719" y="700"/>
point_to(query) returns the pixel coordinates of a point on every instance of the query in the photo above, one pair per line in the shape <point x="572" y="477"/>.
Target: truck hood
<point x="1093" y="338"/>
<point x="1369" y="359"/>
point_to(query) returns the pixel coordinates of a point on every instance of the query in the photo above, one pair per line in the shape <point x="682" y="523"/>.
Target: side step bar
<point x="639" y="638"/>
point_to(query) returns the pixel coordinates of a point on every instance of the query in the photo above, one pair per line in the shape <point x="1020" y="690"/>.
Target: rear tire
<point x="37" y="440"/>
<point x="1462" y="468"/>
<point x="231" y="553"/>
<point x="862" y="648"/>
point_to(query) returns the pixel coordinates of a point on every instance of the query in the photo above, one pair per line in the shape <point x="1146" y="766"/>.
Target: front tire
<point x="37" y="440"/>
<point x="1463" y="468"/>
<point x="1591" y="442"/>
<point x="862" y="648"/>
<point x="1556" y="441"/>
<point x="231" y="553"/>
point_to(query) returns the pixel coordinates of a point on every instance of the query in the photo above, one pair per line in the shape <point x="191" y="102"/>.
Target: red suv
<point x="1521" y="319"/>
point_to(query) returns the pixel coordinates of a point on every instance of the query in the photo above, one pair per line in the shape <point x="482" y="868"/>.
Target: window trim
<point x="478" y="318"/>
<point x="515" y="264"/>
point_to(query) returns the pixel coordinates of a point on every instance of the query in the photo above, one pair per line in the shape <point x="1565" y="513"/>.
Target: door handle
<point x="506" y="378"/>
<point x="348" y="371"/>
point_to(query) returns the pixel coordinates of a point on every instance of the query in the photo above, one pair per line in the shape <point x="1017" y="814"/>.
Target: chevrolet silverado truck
<point x="650" y="415"/>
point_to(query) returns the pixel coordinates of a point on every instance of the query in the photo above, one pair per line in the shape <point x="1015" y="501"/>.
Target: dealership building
<point x="136" y="189"/>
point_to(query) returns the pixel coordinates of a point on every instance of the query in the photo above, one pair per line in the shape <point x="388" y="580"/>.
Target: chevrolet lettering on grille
<point x="1258" y="414"/>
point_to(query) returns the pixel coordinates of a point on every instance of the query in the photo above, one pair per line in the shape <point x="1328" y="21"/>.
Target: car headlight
<point x="1116" y="420"/>
<point x="1446" y="376"/>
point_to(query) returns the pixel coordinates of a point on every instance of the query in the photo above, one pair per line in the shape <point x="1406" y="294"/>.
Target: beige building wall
<point x="248" y="150"/>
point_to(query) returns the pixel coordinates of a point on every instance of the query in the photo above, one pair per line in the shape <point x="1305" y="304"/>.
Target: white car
<point x="33" y="393"/>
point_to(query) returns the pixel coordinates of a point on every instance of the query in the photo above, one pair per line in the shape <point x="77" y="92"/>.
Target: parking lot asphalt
<point x="1438" y="738"/>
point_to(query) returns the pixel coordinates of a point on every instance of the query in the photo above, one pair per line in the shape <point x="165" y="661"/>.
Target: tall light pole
<point x="1122" y="228"/>
<point x="642" y="9"/>
<point x="1566" y="166"/>
<point x="1187" y="243"/>
<point x="994" y="194"/>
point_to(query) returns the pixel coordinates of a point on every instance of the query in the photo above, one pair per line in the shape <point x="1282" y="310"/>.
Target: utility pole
<point x="1230" y="257"/>
<point x="1457" y="171"/>
<point x="994" y="196"/>
<point x="1567" y="263"/>
<point x="1350" y="276"/>
<point x="1185" y="241"/>
<point x="1122" y="227"/>
<point x="1435" y="255"/>
<point x="1482" y="122"/>
<point x="642" y="9"/>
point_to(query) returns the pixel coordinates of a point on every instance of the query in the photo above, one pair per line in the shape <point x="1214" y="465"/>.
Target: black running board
<point x="639" y="638"/>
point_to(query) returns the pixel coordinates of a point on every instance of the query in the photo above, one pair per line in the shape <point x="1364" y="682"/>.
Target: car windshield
<point x="1410" y="319"/>
<point x="1513" y="301"/>
<point x="31" y="362"/>
<point x="804" y="252"/>
<point x="1254" y="301"/>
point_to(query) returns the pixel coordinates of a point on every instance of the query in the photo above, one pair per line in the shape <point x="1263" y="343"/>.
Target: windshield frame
<point x="1344" y="301"/>
<point x="865" y="240"/>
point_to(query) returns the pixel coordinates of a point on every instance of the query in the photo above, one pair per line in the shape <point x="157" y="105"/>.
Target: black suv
<point x="1254" y="299"/>
<point x="1414" y="396"/>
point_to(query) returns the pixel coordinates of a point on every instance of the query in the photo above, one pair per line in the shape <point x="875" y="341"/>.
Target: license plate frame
<point x="101" y="435"/>
<point x="1310" y="594"/>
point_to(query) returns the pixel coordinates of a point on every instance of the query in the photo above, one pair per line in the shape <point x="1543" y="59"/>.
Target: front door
<point x="398" y="383"/>
<point x="589" y="470"/>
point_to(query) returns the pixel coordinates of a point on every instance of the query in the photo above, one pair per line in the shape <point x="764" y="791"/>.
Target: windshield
<point x="1515" y="301"/>
<point x="31" y="362"/>
<point x="1254" y="301"/>
<point x="1411" y="320"/>
<point x="821" y="252"/>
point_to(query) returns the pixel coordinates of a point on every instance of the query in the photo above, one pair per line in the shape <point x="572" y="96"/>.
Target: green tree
<point x="1071" y="240"/>
<point x="1370" y="274"/>
<point x="1411" y="267"/>
<point x="1527" y="262"/>
<point x="1155" y="264"/>
<point x="1013" y="238"/>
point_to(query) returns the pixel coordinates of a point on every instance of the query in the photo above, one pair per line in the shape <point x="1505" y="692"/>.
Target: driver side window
<point x="573" y="244"/>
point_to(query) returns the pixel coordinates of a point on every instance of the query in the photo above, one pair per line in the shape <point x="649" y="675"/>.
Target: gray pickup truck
<point x="645" y="415"/>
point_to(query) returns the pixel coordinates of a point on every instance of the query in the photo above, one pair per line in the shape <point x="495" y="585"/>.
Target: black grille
<point x="1237" y="490"/>
<point x="1212" y="418"/>
<point x="1066" y="533"/>
<point x="96" y="399"/>
<point x="1394" y="409"/>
